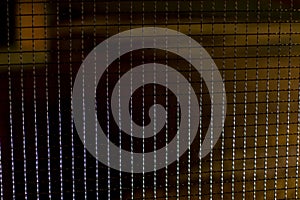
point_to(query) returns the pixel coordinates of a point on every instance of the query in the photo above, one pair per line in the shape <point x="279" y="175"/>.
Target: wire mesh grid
<point x="255" y="46"/>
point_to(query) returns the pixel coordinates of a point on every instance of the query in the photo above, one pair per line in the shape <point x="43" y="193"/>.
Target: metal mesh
<point x="254" y="44"/>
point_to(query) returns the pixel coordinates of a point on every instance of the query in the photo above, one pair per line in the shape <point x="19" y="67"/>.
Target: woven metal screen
<point x="149" y="99"/>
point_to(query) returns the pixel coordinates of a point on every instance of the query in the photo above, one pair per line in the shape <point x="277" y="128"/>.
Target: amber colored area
<point x="30" y="20"/>
<point x="30" y="34"/>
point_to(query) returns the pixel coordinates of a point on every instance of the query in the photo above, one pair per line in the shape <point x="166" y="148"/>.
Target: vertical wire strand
<point x="82" y="58"/>
<point x="200" y="105"/>
<point x="256" y="102"/>
<point x="10" y="103"/>
<point x="71" y="94"/>
<point x="167" y="104"/>
<point x="189" y="103"/>
<point x="23" y="108"/>
<point x="1" y="173"/>
<point x="35" y="104"/>
<point x="47" y="104"/>
<point x="59" y="99"/>
<point x="178" y="116"/>
<point x="245" y="103"/>
<point x="108" y="107"/>
<point x="212" y="104"/>
<point x="223" y="76"/>
<point x="267" y="103"/>
<point x="234" y="101"/>
<point x="155" y="107"/>
<point x="84" y="128"/>
<point x="298" y="144"/>
<point x="119" y="101"/>
<point x="278" y="106"/>
<point x="95" y="89"/>
<point x="131" y="105"/>
<point x="288" y="105"/>
<point x="143" y="100"/>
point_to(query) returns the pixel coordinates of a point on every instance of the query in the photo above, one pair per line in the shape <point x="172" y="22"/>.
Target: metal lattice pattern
<point x="256" y="47"/>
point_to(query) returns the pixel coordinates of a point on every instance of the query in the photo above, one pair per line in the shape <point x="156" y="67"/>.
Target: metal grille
<point x="255" y="46"/>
